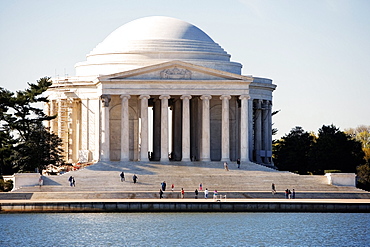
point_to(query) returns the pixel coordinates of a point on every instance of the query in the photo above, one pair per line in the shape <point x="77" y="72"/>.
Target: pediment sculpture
<point x="175" y="73"/>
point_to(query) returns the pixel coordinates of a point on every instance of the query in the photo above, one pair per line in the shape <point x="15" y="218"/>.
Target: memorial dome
<point x="152" y="40"/>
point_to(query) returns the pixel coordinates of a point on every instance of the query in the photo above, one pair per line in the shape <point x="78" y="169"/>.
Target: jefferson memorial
<point x="160" y="89"/>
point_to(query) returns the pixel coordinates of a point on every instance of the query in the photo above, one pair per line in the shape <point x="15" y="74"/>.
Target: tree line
<point x="331" y="150"/>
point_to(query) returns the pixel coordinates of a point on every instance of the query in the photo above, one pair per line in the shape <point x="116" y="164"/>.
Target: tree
<point x="41" y="149"/>
<point x="6" y="151"/>
<point x="291" y="152"/>
<point x="25" y="144"/>
<point x="274" y="130"/>
<point x="362" y="134"/>
<point x="335" y="150"/>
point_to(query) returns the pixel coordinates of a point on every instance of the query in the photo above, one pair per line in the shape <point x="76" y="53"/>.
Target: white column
<point x="164" y="127"/>
<point x="269" y="133"/>
<point x="105" y="134"/>
<point x="185" y="127"/>
<point x="59" y="117"/>
<point x="47" y="113"/>
<point x="225" y="136"/>
<point x="206" y="150"/>
<point x="265" y="130"/>
<point x="52" y="113"/>
<point x="75" y="129"/>
<point x="244" y="147"/>
<point x="144" y="127"/>
<point x="250" y="129"/>
<point x="125" y="128"/>
<point x="258" y="131"/>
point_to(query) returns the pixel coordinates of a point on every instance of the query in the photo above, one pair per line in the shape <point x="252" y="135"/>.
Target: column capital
<point x="144" y="96"/>
<point x="224" y="96"/>
<point x="244" y="97"/>
<point x="166" y="96"/>
<point x="185" y="96"/>
<point x="105" y="98"/>
<point x="125" y="96"/>
<point x="206" y="97"/>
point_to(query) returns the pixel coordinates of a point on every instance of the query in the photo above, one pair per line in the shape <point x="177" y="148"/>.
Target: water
<point x="185" y="229"/>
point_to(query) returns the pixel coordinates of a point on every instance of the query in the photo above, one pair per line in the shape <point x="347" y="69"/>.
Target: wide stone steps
<point x="251" y="181"/>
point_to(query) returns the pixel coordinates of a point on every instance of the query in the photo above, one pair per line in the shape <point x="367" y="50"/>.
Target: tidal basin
<point x="185" y="229"/>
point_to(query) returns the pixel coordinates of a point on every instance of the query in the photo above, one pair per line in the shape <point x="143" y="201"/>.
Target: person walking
<point x="172" y="187"/>
<point x="215" y="193"/>
<point x="196" y="194"/>
<point x="70" y="179"/>
<point x="200" y="186"/>
<point x="238" y="162"/>
<point x="273" y="188"/>
<point x="286" y="193"/>
<point x="41" y="181"/>
<point x="293" y="194"/>
<point x="182" y="193"/>
<point x="164" y="185"/>
<point x="226" y="166"/>
<point x="134" y="178"/>
<point x="122" y="175"/>
<point x="206" y="193"/>
<point x="160" y="193"/>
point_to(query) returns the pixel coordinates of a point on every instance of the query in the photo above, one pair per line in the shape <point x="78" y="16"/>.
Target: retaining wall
<point x="155" y="206"/>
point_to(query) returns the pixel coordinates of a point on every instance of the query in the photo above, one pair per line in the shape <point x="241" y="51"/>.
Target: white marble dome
<point x="153" y="40"/>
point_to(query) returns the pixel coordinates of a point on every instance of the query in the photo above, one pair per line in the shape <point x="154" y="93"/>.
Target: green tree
<point x="335" y="150"/>
<point x="291" y="152"/>
<point x="31" y="145"/>
<point x="6" y="151"/>
<point x="39" y="150"/>
<point x="362" y="134"/>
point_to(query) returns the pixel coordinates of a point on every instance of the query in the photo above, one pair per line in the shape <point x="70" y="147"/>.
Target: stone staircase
<point x="102" y="181"/>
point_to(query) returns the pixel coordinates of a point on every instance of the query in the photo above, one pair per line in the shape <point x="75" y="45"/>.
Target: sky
<point x="317" y="52"/>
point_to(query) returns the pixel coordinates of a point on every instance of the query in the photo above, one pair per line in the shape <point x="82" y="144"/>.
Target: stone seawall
<point x="181" y="206"/>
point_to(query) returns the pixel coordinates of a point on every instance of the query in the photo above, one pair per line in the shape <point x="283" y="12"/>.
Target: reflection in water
<point x="185" y="229"/>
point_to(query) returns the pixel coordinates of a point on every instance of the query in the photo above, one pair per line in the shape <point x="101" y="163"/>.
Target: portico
<point x="195" y="106"/>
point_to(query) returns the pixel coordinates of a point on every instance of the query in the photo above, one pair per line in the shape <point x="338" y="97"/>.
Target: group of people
<point x="134" y="177"/>
<point x="288" y="193"/>
<point x="182" y="191"/>
<point x="226" y="165"/>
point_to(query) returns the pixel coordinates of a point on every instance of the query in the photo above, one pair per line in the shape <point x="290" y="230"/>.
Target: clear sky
<point x="317" y="52"/>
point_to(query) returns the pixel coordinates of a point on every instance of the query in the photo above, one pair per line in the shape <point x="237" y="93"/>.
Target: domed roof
<point x="152" y="40"/>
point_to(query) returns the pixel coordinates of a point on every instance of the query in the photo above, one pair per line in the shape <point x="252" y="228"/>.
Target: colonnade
<point x="67" y="124"/>
<point x="262" y="150"/>
<point x="162" y="101"/>
<point x="248" y="134"/>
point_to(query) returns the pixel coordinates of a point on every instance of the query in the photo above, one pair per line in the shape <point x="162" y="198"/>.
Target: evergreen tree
<point x="25" y="144"/>
<point x="335" y="150"/>
<point x="291" y="152"/>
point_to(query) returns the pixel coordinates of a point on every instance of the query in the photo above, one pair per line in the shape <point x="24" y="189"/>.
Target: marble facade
<point x="161" y="96"/>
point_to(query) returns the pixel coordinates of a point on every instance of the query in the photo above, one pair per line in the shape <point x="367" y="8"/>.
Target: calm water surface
<point x="185" y="229"/>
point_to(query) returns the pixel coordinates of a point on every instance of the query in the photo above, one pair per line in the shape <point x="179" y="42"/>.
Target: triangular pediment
<point x="174" y="70"/>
